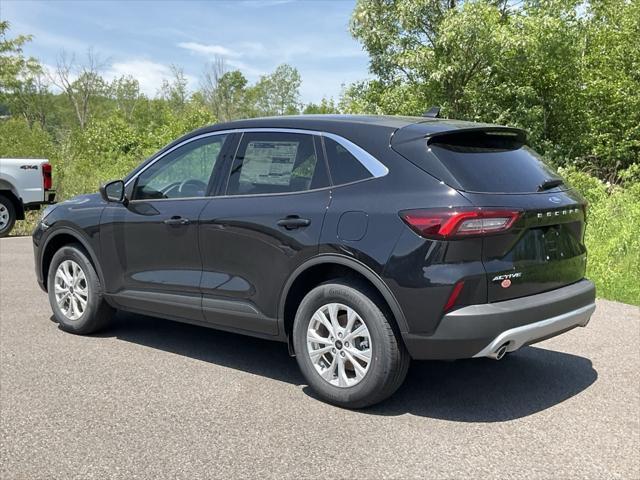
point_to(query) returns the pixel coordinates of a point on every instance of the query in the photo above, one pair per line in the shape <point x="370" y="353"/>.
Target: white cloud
<point x="208" y="50"/>
<point x="150" y="74"/>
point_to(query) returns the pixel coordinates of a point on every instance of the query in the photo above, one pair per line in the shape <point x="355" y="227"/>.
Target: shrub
<point x="612" y="239"/>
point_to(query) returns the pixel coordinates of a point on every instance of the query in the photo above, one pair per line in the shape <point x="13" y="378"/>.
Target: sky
<point x="142" y="38"/>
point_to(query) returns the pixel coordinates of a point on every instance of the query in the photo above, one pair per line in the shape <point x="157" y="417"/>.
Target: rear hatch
<point x="493" y="168"/>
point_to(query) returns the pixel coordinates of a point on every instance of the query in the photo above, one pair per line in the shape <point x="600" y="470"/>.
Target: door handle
<point x="292" y="222"/>
<point x="177" y="221"/>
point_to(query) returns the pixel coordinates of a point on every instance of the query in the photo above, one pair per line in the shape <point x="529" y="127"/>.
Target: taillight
<point x="459" y="222"/>
<point x="47" y="180"/>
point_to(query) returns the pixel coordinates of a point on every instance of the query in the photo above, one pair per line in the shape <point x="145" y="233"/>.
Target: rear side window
<point x="276" y="162"/>
<point x="491" y="161"/>
<point x="344" y="167"/>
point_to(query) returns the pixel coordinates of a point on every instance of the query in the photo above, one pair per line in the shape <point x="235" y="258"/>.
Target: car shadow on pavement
<point x="254" y="355"/>
<point x="484" y="390"/>
<point x="480" y="390"/>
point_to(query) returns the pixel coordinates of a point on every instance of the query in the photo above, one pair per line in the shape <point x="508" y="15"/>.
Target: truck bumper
<point x="49" y="198"/>
<point x="492" y="329"/>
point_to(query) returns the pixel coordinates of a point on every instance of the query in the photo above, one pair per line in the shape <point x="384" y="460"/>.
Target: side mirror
<point x="113" y="191"/>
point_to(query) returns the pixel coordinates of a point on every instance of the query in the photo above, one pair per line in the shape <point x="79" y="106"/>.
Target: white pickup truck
<point x="25" y="184"/>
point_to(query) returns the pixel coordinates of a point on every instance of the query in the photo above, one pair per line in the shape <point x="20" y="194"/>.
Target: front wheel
<point x="346" y="346"/>
<point x="75" y="293"/>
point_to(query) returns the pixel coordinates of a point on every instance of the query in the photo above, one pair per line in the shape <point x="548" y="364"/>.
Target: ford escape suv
<point x="361" y="241"/>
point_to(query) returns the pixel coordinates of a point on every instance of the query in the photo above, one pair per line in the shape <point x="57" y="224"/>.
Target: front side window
<point x="183" y="173"/>
<point x="276" y="162"/>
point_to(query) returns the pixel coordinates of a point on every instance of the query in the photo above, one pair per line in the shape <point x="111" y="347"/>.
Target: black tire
<point x="8" y="214"/>
<point x="97" y="313"/>
<point x="389" y="358"/>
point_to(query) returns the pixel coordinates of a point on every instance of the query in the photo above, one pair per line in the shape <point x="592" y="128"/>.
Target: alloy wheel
<point x="339" y="345"/>
<point x="71" y="290"/>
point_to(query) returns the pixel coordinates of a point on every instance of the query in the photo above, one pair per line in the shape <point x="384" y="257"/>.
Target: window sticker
<point x="269" y="162"/>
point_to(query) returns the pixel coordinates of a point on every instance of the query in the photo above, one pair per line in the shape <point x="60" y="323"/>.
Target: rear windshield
<point x="493" y="162"/>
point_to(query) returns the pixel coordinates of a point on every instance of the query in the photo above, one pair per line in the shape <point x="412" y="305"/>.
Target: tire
<point x="388" y="358"/>
<point x="96" y="313"/>
<point x="7" y="216"/>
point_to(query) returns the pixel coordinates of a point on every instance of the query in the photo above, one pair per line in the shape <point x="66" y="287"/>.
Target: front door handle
<point x="177" y="221"/>
<point x="292" y="222"/>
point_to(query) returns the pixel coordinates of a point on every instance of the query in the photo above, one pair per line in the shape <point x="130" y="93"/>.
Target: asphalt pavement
<point x="150" y="398"/>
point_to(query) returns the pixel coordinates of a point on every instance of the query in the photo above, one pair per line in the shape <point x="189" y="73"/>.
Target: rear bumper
<point x="49" y="199"/>
<point x="480" y="330"/>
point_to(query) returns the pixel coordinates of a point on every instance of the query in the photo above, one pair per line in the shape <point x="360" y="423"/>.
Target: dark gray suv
<point x="361" y="241"/>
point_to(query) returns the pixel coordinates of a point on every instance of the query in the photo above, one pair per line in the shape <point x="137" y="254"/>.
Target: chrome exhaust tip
<point x="499" y="353"/>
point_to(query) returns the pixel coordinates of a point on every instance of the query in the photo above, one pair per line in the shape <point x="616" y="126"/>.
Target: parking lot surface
<point x="149" y="398"/>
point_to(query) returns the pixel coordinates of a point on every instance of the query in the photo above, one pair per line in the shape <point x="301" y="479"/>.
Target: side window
<point x="344" y="167"/>
<point x="276" y="162"/>
<point x="183" y="173"/>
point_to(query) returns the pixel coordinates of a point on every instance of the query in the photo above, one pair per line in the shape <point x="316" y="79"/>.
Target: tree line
<point x="74" y="91"/>
<point x="94" y="128"/>
<point x="567" y="71"/>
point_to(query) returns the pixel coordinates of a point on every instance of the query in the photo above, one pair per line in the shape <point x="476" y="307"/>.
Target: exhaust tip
<point x="499" y="353"/>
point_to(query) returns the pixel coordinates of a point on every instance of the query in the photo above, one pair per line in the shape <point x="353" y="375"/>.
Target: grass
<point x="612" y="236"/>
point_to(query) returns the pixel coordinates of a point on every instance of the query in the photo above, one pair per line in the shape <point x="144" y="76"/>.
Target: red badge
<point x="506" y="283"/>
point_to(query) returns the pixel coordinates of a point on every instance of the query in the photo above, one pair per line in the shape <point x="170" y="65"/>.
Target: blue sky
<point x="143" y="38"/>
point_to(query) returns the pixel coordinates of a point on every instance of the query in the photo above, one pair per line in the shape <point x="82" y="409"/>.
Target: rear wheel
<point x="7" y="216"/>
<point x="75" y="292"/>
<point x="346" y="346"/>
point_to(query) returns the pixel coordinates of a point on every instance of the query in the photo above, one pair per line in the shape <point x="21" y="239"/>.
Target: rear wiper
<point x="551" y="183"/>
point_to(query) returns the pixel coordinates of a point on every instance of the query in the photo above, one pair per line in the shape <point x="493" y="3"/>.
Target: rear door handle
<point x="292" y="222"/>
<point x="177" y="221"/>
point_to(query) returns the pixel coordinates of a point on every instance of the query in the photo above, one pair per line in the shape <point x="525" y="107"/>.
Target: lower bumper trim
<point x="517" y="337"/>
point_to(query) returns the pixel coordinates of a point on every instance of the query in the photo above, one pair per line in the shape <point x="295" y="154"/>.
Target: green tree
<point x="277" y="93"/>
<point x="566" y="72"/>
<point x="125" y="91"/>
<point x="174" y="90"/>
<point x="224" y="92"/>
<point x="81" y="82"/>
<point x="324" y="107"/>
<point x="231" y="95"/>
<point x="12" y="61"/>
<point x="611" y="86"/>
<point x="18" y="139"/>
<point x="23" y="86"/>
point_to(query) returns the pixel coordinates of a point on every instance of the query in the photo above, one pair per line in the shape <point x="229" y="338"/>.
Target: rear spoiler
<point x="436" y="132"/>
<point x="514" y="136"/>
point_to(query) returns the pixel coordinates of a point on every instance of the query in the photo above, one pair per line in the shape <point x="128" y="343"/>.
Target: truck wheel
<point x="75" y="293"/>
<point x="7" y="216"/>
<point x="346" y="346"/>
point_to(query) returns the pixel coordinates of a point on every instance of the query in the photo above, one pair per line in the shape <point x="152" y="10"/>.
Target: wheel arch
<point x="322" y="268"/>
<point x="14" y="199"/>
<point x="55" y="241"/>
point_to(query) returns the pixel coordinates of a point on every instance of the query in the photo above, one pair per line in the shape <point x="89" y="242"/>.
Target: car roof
<point x="336" y="123"/>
